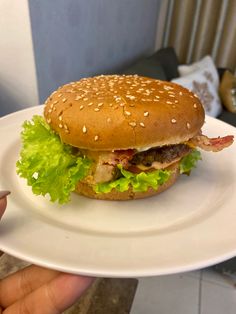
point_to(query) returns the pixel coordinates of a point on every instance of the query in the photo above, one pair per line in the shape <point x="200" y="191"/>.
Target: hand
<point x="38" y="290"/>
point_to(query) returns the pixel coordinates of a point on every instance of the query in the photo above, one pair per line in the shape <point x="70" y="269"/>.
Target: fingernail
<point x="4" y="194"/>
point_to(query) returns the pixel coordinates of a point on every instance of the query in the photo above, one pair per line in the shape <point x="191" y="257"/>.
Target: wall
<point x="18" y="85"/>
<point x="78" y="38"/>
<point x="47" y="43"/>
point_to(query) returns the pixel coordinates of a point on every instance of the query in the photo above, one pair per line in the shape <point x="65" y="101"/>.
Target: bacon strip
<point x="212" y="144"/>
<point x="120" y="157"/>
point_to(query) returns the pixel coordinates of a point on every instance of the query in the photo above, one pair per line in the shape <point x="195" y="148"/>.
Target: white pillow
<point x="206" y="64"/>
<point x="203" y="80"/>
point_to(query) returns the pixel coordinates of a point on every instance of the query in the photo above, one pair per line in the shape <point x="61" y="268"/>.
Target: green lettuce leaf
<point x="139" y="182"/>
<point x="49" y="166"/>
<point x="190" y="161"/>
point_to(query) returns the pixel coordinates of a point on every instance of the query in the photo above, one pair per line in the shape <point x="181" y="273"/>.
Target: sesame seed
<point x="173" y="121"/>
<point x="133" y="124"/>
<point x="78" y="97"/>
<point x="130" y="97"/>
<point x="60" y="126"/>
<point x="51" y="106"/>
<point x="161" y="91"/>
<point x="167" y="87"/>
<point x="100" y="104"/>
<point x="108" y="120"/>
<point x="50" y="110"/>
<point x="180" y="93"/>
<point x="84" y="129"/>
<point x="65" y="127"/>
<point x="142" y="124"/>
<point x="158" y="97"/>
<point x="110" y="105"/>
<point x="90" y="104"/>
<point x="60" y="118"/>
<point x="127" y="113"/>
<point x="122" y="104"/>
<point x="49" y="120"/>
<point x="81" y="107"/>
<point x="59" y="95"/>
<point x="54" y="109"/>
<point x="176" y="101"/>
<point x="96" y="109"/>
<point x="85" y="99"/>
<point x="188" y="125"/>
<point x="195" y="105"/>
<point x="64" y="100"/>
<point x="117" y="98"/>
<point x="171" y="95"/>
<point x="169" y="102"/>
<point x="95" y="137"/>
<point x="146" y="114"/>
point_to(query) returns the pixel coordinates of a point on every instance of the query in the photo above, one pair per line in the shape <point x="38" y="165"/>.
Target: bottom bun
<point x="87" y="190"/>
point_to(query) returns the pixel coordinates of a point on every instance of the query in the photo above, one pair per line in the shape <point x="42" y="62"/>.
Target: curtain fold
<point x="197" y="28"/>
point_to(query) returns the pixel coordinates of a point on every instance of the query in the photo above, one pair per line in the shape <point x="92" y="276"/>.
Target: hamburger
<point x="114" y="137"/>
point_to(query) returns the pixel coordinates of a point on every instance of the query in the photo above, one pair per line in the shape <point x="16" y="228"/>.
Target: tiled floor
<point x="200" y="292"/>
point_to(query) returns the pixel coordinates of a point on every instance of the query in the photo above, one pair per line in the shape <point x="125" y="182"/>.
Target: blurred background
<point x="45" y="44"/>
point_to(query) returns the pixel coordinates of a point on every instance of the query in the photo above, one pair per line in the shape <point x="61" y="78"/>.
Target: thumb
<point x="3" y="201"/>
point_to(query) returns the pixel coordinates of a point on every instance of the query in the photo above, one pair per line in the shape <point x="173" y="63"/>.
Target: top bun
<point x="112" y="112"/>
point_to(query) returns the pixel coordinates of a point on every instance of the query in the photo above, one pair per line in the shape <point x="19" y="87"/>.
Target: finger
<point x="3" y="205"/>
<point x="53" y="297"/>
<point x="4" y="194"/>
<point x="23" y="282"/>
<point x="3" y="201"/>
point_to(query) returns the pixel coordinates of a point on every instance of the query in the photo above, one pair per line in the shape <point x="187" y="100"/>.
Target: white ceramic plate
<point x="191" y="225"/>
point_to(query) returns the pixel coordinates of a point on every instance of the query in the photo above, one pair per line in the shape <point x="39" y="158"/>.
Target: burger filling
<point x="53" y="168"/>
<point x="105" y="168"/>
<point x="160" y="157"/>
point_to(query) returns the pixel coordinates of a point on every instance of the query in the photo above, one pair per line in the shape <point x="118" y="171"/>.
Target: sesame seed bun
<point x="87" y="190"/>
<point x="113" y="112"/>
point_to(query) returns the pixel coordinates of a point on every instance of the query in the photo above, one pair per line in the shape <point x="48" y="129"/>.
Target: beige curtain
<point x="196" y="28"/>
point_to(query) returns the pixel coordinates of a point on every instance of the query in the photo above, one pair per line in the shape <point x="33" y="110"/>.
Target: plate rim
<point x="122" y="273"/>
